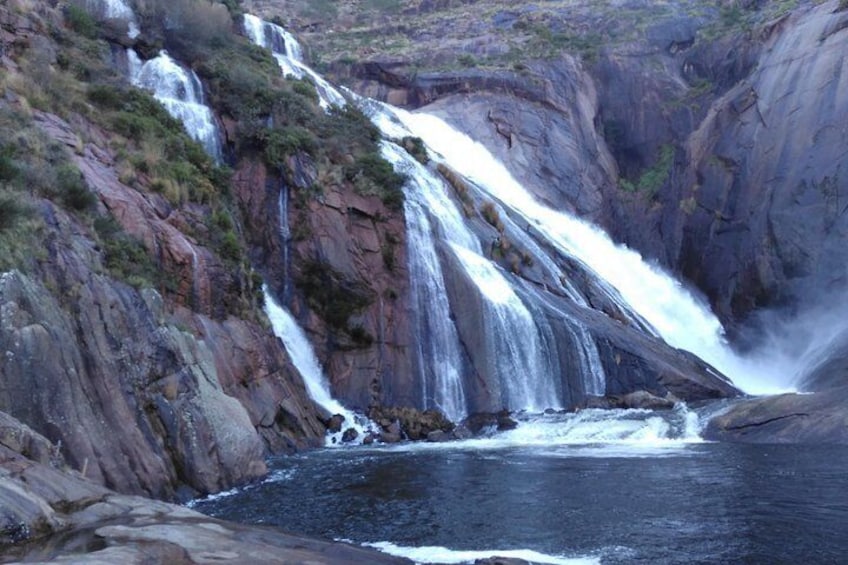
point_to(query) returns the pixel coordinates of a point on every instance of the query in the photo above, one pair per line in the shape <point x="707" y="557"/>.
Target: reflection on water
<point x="698" y="502"/>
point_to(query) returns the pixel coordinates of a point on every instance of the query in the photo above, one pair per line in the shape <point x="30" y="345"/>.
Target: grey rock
<point x="819" y="418"/>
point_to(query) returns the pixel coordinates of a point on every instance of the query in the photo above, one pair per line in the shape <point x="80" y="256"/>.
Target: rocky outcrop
<point x="69" y="519"/>
<point x="819" y="418"/>
<point x="547" y="140"/>
<point x="410" y="423"/>
<point x="337" y="259"/>
<point x="166" y="395"/>
<point x="767" y="222"/>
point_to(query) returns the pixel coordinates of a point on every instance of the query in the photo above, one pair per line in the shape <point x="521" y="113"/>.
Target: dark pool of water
<point x="702" y="503"/>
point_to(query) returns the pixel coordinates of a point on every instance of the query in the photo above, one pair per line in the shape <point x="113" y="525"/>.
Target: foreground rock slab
<point x="51" y="514"/>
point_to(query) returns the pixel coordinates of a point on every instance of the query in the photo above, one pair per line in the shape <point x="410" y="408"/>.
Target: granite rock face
<point x="53" y="514"/>
<point x="819" y="418"/>
<point x="162" y="395"/>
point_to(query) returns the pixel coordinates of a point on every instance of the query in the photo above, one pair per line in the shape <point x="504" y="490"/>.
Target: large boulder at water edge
<point x="640" y="399"/>
<point x="820" y="418"/>
<point x="414" y="424"/>
<point x="483" y="421"/>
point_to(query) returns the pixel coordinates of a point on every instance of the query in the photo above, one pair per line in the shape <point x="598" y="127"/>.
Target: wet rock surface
<point x="818" y="418"/>
<point x="409" y="423"/>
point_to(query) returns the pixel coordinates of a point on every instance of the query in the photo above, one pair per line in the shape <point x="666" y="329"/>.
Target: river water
<point x="584" y="498"/>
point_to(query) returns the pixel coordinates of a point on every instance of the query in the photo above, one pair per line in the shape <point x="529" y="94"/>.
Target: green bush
<point x="73" y="190"/>
<point x="652" y="179"/>
<point x="415" y="147"/>
<point x="230" y="247"/>
<point x="331" y="295"/>
<point x="11" y="211"/>
<point x="8" y="168"/>
<point x="277" y="143"/>
<point x="80" y="21"/>
<point x="374" y="175"/>
<point x="124" y="256"/>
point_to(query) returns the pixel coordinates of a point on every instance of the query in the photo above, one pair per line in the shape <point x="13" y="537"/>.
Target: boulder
<point x="334" y="424"/>
<point x="819" y="418"/>
<point x="644" y="400"/>
<point x="413" y="424"/>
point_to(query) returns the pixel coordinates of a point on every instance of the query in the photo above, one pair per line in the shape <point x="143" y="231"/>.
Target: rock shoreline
<point x="50" y="513"/>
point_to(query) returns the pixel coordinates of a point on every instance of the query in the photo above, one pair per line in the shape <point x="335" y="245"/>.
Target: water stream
<point x="179" y="90"/>
<point x="115" y="10"/>
<point x="303" y="357"/>
<point x="595" y="486"/>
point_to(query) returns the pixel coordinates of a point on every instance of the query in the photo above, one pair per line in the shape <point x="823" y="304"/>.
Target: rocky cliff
<point x="708" y="135"/>
<point x="691" y="130"/>
<point x="131" y="332"/>
<point x="132" y="329"/>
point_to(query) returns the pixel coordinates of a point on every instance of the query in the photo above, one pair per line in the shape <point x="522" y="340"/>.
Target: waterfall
<point x="438" y="349"/>
<point x="180" y="92"/>
<point x="289" y="55"/>
<point x="114" y="10"/>
<point x="680" y="319"/>
<point x="303" y="357"/>
<point x="513" y="344"/>
<point x="518" y="369"/>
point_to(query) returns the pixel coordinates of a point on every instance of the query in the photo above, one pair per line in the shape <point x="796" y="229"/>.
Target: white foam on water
<point x="588" y="433"/>
<point x="437" y="554"/>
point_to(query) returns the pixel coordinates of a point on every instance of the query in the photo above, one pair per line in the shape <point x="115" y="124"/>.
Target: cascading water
<point x="438" y="349"/>
<point x="676" y="315"/>
<point x="521" y="374"/>
<point x="300" y="350"/>
<point x="519" y="370"/>
<point x="180" y="92"/>
<point x="513" y="344"/>
<point x="115" y="10"/>
<point x="289" y="56"/>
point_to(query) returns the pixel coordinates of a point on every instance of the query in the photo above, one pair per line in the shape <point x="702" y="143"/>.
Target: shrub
<point x="11" y="211"/>
<point x="652" y="179"/>
<point x="415" y="147"/>
<point x="73" y="190"/>
<point x="492" y="216"/>
<point x="80" y="21"/>
<point x="124" y="256"/>
<point x="230" y="247"/>
<point x="278" y="143"/>
<point x="374" y="175"/>
<point x="8" y="168"/>
<point x="331" y="295"/>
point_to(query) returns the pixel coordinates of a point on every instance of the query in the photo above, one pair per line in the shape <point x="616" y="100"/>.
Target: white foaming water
<point x="437" y="554"/>
<point x="521" y="368"/>
<point x="302" y="355"/>
<point x="434" y="197"/>
<point x="289" y="55"/>
<point x="514" y="351"/>
<point x="115" y="10"/>
<point x="589" y="433"/>
<point x="438" y="349"/>
<point x="677" y="316"/>
<point x="180" y="92"/>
